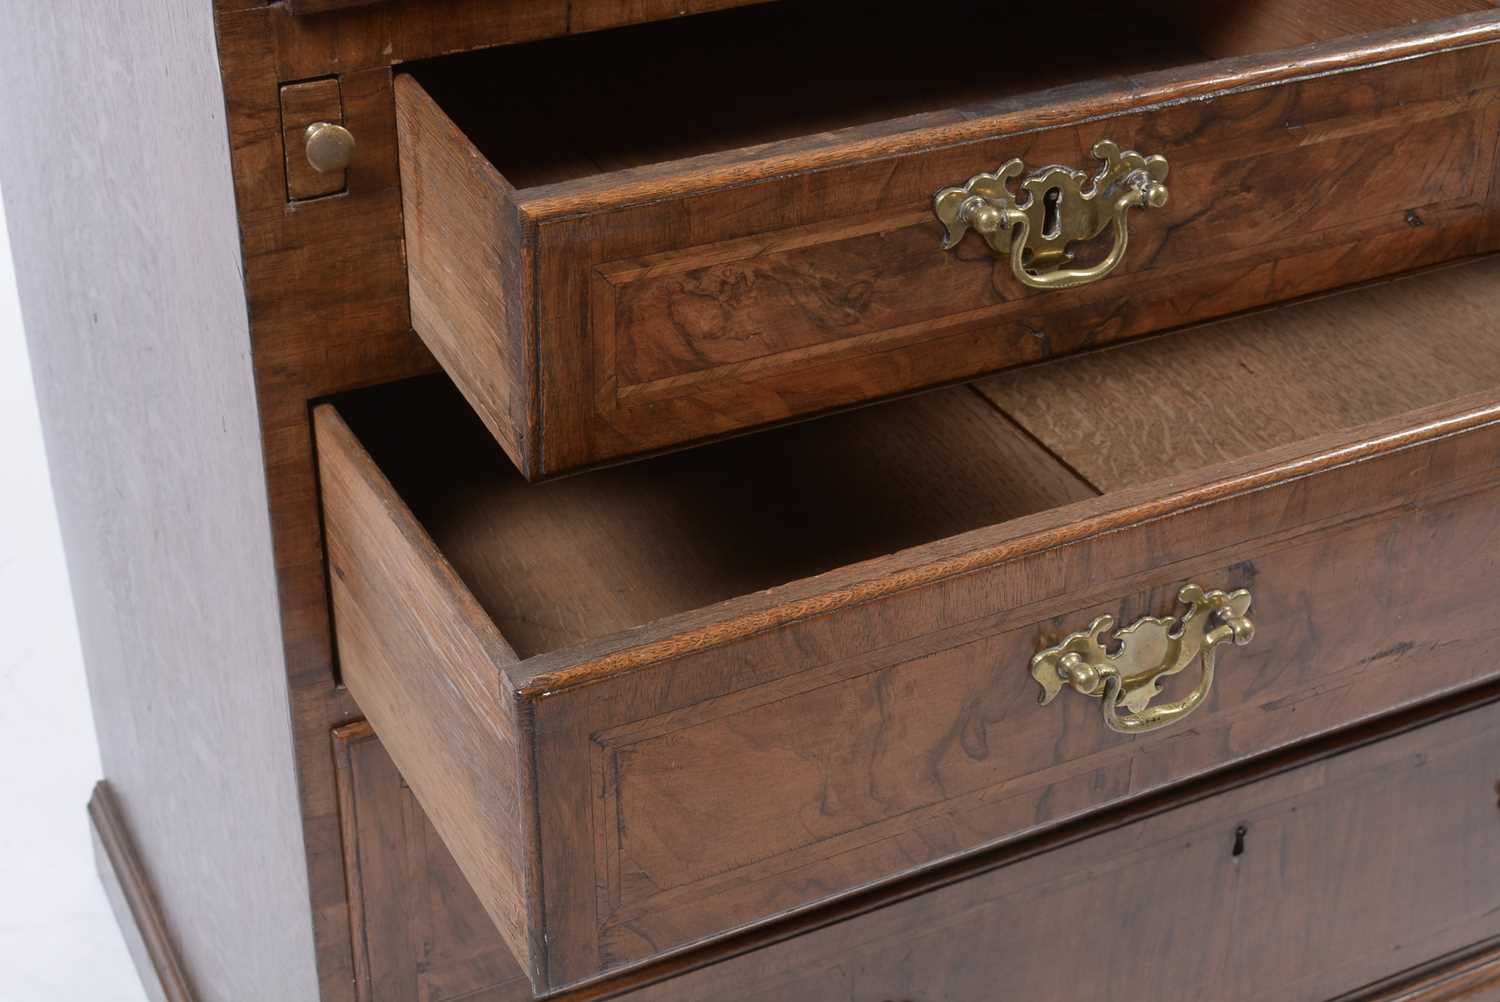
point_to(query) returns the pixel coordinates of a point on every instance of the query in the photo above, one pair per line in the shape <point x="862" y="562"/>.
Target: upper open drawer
<point x="653" y="704"/>
<point x="631" y="240"/>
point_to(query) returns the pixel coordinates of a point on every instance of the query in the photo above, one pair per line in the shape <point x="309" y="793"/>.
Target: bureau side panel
<point x="114" y="163"/>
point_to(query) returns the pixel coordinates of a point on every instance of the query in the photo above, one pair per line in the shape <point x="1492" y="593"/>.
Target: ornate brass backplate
<point x="1150" y="650"/>
<point x="1060" y="206"/>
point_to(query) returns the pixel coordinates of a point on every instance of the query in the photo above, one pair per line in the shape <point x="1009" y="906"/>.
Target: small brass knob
<point x="330" y="147"/>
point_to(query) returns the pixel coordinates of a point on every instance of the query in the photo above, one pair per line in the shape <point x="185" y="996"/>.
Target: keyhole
<point x="1240" y="832"/>
<point x="1052" y="213"/>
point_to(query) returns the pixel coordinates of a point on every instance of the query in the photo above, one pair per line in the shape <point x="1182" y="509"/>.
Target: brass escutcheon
<point x="1061" y="206"/>
<point x="1151" y="649"/>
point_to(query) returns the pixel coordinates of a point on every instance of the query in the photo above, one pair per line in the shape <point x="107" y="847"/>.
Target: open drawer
<point x="650" y="705"/>
<point x="627" y="241"/>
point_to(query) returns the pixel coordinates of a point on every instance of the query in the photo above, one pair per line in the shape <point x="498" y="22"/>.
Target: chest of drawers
<point x="773" y="501"/>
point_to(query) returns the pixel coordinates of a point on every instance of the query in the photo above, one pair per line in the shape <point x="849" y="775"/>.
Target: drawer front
<point x="421" y="934"/>
<point x="1299" y="888"/>
<point x="690" y="781"/>
<point x="666" y="307"/>
<point x="925" y="740"/>
<point x="1312" y="881"/>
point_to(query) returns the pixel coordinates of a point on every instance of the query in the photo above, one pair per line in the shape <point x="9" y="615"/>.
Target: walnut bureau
<point x="778" y="501"/>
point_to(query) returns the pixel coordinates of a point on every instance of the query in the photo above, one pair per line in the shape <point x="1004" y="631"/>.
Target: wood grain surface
<point x="128" y="889"/>
<point x="1176" y="404"/>
<point x="522" y="107"/>
<point x="890" y="698"/>
<point x="116" y="174"/>
<point x="329" y="311"/>
<point x="467" y="329"/>
<point x="419" y="930"/>
<point x="1268" y="25"/>
<point x="579" y="558"/>
<point x="328" y="303"/>
<point x="1339" y="842"/>
<point x="303" y="104"/>
<point x="319" y="6"/>
<point x="1473" y="978"/>
<point x="681" y="278"/>
<point x="479" y="796"/>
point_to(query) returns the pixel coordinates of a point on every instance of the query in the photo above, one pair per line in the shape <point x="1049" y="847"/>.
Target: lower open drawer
<point x="649" y="706"/>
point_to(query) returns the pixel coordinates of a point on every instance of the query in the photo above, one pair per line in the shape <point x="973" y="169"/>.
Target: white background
<point x="58" y="940"/>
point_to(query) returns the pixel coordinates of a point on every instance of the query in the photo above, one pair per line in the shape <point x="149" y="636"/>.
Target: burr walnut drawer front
<point x="1322" y="871"/>
<point x="628" y="241"/>
<point x="653" y="704"/>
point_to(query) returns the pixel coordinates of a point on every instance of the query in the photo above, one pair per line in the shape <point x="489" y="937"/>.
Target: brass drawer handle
<point x="1057" y="212"/>
<point x="1151" y="649"/>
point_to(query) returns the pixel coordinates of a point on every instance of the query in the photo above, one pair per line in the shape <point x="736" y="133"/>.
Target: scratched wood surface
<point x="1285" y="885"/>
<point x="890" y="698"/>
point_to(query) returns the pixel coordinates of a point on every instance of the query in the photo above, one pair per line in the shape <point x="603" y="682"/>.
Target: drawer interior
<point x="569" y="108"/>
<point x="559" y="563"/>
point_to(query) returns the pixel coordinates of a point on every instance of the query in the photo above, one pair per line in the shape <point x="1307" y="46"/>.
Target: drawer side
<point x="468" y="270"/>
<point x="427" y="667"/>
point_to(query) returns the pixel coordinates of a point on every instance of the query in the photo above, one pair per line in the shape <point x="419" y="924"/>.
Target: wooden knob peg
<point x="330" y="147"/>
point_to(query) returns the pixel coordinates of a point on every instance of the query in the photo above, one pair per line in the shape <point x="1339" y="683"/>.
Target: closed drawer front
<point x="678" y="263"/>
<point x="1324" y="875"/>
<point x="652" y="705"/>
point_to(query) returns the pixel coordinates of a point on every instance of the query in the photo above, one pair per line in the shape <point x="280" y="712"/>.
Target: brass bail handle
<point x="1057" y="207"/>
<point x="1150" y="650"/>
